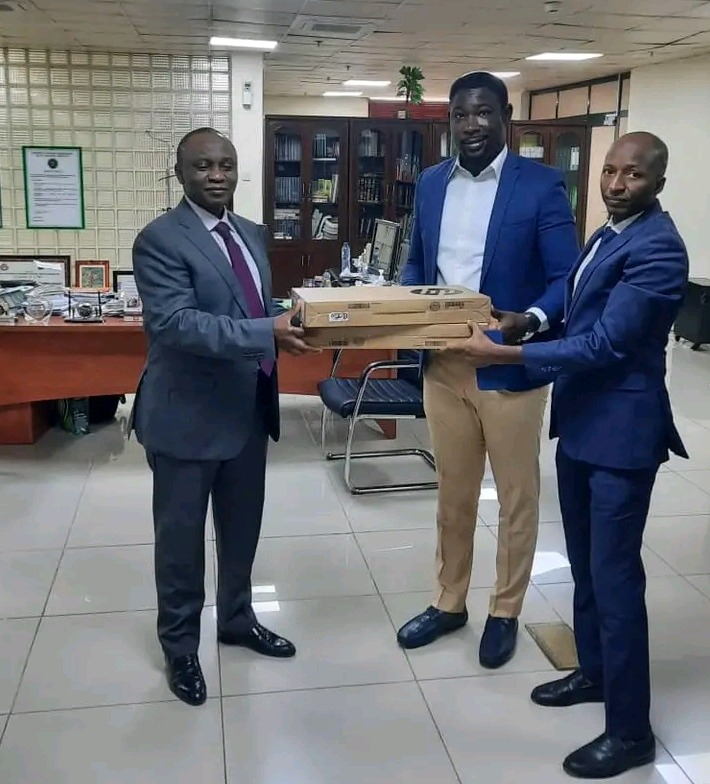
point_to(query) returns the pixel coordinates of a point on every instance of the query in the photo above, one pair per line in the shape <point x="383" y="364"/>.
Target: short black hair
<point x="478" y="79"/>
<point x="657" y="149"/>
<point x="186" y="138"/>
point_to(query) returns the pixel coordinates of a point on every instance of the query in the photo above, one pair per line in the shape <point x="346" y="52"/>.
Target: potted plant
<point x="410" y="86"/>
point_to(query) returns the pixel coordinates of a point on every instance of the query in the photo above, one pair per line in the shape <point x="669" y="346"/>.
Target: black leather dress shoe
<point x="261" y="640"/>
<point x="574" y="689"/>
<point x="498" y="642"/>
<point x="185" y="679"/>
<point x="429" y="626"/>
<point x="606" y="757"/>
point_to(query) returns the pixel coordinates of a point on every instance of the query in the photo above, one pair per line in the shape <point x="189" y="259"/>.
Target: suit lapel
<point x="200" y="238"/>
<point x="436" y="209"/>
<point x="569" y="288"/>
<point x="506" y="188"/>
<point x="609" y="248"/>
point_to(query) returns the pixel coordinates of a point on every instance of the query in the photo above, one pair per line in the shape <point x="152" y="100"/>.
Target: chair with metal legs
<point x="357" y="399"/>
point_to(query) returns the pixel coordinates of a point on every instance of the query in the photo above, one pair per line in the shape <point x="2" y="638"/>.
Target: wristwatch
<point x="534" y="324"/>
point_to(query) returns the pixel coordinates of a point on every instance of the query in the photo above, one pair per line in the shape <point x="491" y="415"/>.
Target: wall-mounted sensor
<point x="247" y="95"/>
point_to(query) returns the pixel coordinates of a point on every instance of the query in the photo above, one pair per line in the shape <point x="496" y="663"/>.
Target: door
<point x="442" y="145"/>
<point x="568" y="153"/>
<point x="409" y="155"/>
<point x="370" y="174"/>
<point x="531" y="142"/>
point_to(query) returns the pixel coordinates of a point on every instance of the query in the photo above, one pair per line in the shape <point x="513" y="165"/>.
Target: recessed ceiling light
<point x="565" y="56"/>
<point x="341" y="94"/>
<point x="506" y="74"/>
<point x="243" y="43"/>
<point x="366" y="83"/>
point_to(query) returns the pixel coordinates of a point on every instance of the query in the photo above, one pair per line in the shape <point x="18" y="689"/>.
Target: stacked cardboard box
<point x="394" y="317"/>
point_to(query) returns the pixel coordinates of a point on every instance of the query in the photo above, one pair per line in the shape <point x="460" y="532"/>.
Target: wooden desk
<point x="40" y="364"/>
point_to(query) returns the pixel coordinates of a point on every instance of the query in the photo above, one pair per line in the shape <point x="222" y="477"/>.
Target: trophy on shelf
<point x="38" y="310"/>
<point x="84" y="307"/>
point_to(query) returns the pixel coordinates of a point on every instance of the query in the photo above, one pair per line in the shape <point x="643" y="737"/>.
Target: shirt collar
<point x="210" y="221"/>
<point x="495" y="167"/>
<point x="624" y="224"/>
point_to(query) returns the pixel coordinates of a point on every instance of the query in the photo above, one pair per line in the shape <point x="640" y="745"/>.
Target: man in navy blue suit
<point x="612" y="415"/>
<point x="494" y="222"/>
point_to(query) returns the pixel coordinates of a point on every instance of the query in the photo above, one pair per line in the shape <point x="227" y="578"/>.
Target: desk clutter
<point x="38" y="289"/>
<point x="391" y="317"/>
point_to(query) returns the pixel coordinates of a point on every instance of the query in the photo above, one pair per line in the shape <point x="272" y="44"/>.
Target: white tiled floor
<point x="82" y="693"/>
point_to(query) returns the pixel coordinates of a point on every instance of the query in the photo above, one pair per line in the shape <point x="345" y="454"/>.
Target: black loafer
<point x="606" y="757"/>
<point x="185" y="679"/>
<point x="429" y="626"/>
<point x="261" y="640"/>
<point x="498" y="642"/>
<point x="574" y="689"/>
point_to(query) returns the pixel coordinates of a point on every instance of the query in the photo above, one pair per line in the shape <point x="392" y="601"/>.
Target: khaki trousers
<point x="465" y="424"/>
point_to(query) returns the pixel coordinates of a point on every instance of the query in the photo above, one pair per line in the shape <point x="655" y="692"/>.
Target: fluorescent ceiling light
<point x="366" y="83"/>
<point x="341" y="94"/>
<point x="243" y="43"/>
<point x="506" y="74"/>
<point x="565" y="56"/>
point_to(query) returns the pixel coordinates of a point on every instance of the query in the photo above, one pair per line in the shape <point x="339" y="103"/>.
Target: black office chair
<point x="361" y="398"/>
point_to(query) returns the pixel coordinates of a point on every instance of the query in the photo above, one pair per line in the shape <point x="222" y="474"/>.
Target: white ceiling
<point x="444" y="37"/>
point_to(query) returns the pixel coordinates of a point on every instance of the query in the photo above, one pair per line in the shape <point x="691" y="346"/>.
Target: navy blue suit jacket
<point x="610" y="405"/>
<point x="530" y="247"/>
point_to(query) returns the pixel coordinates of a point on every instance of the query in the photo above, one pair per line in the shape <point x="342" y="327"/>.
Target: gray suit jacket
<point x="197" y="395"/>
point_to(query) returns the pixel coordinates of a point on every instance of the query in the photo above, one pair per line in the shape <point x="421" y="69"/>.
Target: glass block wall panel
<point x="127" y="112"/>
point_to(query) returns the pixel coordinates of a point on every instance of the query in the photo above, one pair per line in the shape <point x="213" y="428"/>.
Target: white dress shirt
<point x="618" y="228"/>
<point x="210" y="221"/>
<point x="468" y="207"/>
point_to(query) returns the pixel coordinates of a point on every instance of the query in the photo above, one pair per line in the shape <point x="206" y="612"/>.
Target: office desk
<point x="40" y="364"/>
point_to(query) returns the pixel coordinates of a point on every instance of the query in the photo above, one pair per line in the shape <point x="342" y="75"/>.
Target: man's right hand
<point x="289" y="338"/>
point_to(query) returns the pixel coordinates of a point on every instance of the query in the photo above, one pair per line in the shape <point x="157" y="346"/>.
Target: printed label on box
<point x="338" y="316"/>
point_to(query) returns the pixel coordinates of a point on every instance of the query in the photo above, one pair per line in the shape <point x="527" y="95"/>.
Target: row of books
<point x="287" y="190"/>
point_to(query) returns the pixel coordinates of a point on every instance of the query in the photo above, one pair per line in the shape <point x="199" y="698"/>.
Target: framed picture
<point x="92" y="275"/>
<point x="54" y="187"/>
<point x="123" y="280"/>
<point x="8" y="261"/>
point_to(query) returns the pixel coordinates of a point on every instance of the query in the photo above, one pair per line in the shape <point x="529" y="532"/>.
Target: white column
<point x="248" y="133"/>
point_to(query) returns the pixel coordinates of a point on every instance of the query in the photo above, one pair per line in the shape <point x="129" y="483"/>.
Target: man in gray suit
<point x="207" y="403"/>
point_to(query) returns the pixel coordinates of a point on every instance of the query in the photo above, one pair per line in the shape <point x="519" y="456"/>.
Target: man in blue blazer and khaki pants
<point x="500" y="224"/>
<point x="207" y="403"/>
<point x="612" y="415"/>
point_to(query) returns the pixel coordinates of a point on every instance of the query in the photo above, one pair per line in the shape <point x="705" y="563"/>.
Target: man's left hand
<point x="514" y="326"/>
<point x="479" y="348"/>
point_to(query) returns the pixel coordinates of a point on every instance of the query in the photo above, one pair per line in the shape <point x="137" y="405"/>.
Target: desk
<point x="40" y="364"/>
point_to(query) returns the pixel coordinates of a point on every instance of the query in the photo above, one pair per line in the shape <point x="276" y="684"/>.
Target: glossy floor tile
<point x="83" y="698"/>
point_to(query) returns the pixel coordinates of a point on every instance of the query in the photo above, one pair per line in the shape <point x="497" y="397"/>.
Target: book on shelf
<point x="287" y="147"/>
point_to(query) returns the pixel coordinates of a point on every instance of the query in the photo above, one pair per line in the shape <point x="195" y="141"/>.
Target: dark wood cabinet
<point x="564" y="146"/>
<point x="327" y="179"/>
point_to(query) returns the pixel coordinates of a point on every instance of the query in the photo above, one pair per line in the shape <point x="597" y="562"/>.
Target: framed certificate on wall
<point x="54" y="187"/>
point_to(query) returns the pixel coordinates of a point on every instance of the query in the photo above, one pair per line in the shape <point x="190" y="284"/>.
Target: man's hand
<point x="288" y="333"/>
<point x="514" y="326"/>
<point x="479" y="349"/>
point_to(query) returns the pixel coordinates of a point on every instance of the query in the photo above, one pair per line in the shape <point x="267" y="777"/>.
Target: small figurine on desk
<point x="84" y="312"/>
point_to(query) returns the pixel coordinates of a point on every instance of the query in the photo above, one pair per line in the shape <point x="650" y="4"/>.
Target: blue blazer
<point x="610" y="405"/>
<point x="196" y="397"/>
<point x="530" y="247"/>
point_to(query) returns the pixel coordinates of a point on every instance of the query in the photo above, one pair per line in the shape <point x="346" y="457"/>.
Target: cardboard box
<point x="417" y="336"/>
<point x="379" y="306"/>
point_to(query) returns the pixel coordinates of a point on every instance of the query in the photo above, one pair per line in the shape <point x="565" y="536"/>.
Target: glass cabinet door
<point x="409" y="158"/>
<point x="567" y="156"/>
<point x="370" y="183"/>
<point x="531" y="144"/>
<point x="288" y="202"/>
<point x="325" y="193"/>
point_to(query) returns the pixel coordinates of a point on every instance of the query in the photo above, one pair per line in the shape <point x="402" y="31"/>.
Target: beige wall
<point x="673" y="101"/>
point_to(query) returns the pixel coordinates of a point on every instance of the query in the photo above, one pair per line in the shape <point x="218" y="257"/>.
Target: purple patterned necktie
<point x="246" y="281"/>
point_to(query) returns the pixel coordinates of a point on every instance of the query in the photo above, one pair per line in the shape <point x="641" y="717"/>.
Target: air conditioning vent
<point x="332" y="27"/>
<point x="339" y="29"/>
